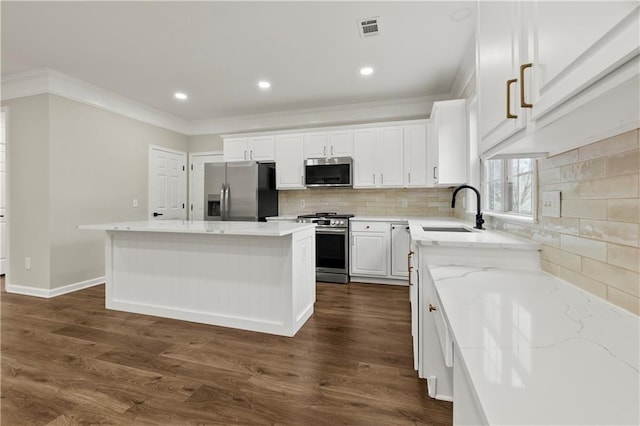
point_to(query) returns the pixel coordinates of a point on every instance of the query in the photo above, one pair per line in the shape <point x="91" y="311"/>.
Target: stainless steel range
<point x="332" y="245"/>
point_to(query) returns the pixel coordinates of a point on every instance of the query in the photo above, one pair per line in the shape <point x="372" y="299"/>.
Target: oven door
<point x="332" y="255"/>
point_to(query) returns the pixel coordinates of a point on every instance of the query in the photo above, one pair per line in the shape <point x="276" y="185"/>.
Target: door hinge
<point x="192" y="167"/>
<point x="191" y="207"/>
<point x="183" y="205"/>
<point x="183" y="168"/>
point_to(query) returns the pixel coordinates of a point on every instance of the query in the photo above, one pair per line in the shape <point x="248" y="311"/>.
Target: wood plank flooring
<point x="69" y="361"/>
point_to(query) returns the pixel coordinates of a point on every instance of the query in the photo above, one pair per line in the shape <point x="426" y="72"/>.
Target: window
<point x="510" y="186"/>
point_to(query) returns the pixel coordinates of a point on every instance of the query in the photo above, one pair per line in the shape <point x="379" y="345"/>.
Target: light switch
<point x="551" y="204"/>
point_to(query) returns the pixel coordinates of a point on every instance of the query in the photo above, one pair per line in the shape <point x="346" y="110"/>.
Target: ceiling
<point x="216" y="52"/>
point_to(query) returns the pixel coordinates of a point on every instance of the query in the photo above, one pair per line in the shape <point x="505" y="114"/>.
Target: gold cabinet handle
<point x="523" y="103"/>
<point x="431" y="308"/>
<point x="509" y="83"/>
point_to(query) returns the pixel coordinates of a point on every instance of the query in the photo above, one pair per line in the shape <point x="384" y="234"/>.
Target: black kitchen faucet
<point x="479" y="219"/>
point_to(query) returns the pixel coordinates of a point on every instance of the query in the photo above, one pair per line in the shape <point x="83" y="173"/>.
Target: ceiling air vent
<point x="369" y="27"/>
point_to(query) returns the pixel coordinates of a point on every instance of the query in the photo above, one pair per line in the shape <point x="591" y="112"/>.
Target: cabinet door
<point x="261" y="149"/>
<point x="415" y="156"/>
<point x="450" y="133"/>
<point x="369" y="253"/>
<point x="498" y="39"/>
<point x="365" y="159"/>
<point x="391" y="157"/>
<point x="316" y="145"/>
<point x="399" y="250"/>
<point x="577" y="43"/>
<point x="289" y="159"/>
<point x="235" y="149"/>
<point x="340" y="143"/>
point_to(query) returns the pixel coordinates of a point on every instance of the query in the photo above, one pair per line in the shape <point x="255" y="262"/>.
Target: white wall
<point x="28" y="207"/>
<point x="91" y="166"/>
<point x="205" y="143"/>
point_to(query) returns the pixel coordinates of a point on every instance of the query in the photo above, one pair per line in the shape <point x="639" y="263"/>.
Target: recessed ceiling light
<point x="366" y="71"/>
<point x="264" y="84"/>
<point x="180" y="95"/>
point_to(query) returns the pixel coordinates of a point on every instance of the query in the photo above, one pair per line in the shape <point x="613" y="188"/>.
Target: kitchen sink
<point x="445" y="229"/>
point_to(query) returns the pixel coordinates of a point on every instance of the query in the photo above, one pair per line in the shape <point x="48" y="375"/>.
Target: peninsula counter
<point x="250" y="275"/>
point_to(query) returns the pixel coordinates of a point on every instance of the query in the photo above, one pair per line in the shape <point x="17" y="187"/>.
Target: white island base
<point x="252" y="276"/>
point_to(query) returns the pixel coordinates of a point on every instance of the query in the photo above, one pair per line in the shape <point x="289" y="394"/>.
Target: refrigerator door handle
<point x="222" y="194"/>
<point x="227" y="201"/>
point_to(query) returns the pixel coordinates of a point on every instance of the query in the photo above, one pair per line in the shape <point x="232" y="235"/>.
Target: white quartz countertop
<point x="284" y="217"/>
<point x="474" y="238"/>
<point x="268" y="229"/>
<point x="539" y="350"/>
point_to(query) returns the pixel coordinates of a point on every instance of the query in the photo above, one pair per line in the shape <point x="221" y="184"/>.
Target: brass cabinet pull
<point x="431" y="308"/>
<point x="509" y="83"/>
<point x="523" y="103"/>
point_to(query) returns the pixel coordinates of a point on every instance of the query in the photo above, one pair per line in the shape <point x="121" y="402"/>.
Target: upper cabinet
<point x="337" y="143"/>
<point x="261" y="148"/>
<point x="290" y="162"/>
<point x="378" y="156"/>
<point x="536" y="60"/>
<point x="415" y="155"/>
<point x="447" y="154"/>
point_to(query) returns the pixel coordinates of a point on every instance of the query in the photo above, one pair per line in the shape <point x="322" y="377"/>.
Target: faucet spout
<point x="479" y="219"/>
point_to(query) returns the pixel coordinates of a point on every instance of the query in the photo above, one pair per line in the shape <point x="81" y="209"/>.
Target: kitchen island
<point x="250" y="275"/>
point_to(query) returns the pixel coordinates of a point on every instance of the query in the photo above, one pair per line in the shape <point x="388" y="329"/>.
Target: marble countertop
<point x="385" y="218"/>
<point x="267" y="229"/>
<point x="283" y="217"/>
<point x="539" y="350"/>
<point x="474" y="238"/>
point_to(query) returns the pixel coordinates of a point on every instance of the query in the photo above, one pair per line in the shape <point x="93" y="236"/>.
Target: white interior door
<point x="167" y="184"/>
<point x="196" y="181"/>
<point x="3" y="196"/>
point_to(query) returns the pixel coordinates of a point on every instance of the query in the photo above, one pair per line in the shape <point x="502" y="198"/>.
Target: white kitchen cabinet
<point x="316" y="145"/>
<point x="447" y="157"/>
<point x="541" y="61"/>
<point x="340" y="143"/>
<point x="260" y="148"/>
<point x="369" y="248"/>
<point x="378" y="155"/>
<point x="573" y="44"/>
<point x="399" y="250"/>
<point x="290" y="162"/>
<point x="499" y="55"/>
<point x="415" y="155"/>
<point x="336" y="143"/>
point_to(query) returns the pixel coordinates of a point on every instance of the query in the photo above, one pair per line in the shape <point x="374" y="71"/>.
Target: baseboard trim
<point x="49" y="293"/>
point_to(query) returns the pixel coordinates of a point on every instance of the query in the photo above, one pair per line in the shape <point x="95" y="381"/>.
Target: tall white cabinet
<point x="447" y="157"/>
<point x="290" y="161"/>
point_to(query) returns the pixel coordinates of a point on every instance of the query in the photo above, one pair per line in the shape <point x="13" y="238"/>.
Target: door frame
<point x="150" y="176"/>
<point x="191" y="157"/>
<point x="5" y="110"/>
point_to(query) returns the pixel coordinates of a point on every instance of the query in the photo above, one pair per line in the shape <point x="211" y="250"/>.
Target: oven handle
<point x="331" y="231"/>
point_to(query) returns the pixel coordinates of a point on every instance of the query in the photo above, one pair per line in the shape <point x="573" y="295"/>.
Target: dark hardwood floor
<point x="69" y="361"/>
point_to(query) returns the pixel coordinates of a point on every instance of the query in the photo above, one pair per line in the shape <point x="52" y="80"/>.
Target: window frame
<point x="505" y="180"/>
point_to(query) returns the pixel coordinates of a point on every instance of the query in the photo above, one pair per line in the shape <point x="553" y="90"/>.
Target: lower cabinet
<point x="379" y="252"/>
<point x="370" y="248"/>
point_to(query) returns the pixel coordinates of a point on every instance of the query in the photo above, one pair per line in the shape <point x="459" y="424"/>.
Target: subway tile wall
<point x="369" y="202"/>
<point x="595" y="244"/>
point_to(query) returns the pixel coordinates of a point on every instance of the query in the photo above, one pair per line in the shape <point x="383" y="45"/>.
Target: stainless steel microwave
<point x="329" y="172"/>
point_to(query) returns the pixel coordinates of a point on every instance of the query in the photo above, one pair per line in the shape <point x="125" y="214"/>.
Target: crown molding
<point x="398" y="109"/>
<point x="46" y="80"/>
<point x="49" y="81"/>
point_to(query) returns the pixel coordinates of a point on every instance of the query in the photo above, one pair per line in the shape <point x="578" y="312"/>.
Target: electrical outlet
<point x="135" y="202"/>
<point x="27" y="263"/>
<point x="404" y="203"/>
<point x="302" y="204"/>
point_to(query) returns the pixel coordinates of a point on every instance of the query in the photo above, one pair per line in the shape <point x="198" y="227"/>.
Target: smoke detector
<point x="369" y="27"/>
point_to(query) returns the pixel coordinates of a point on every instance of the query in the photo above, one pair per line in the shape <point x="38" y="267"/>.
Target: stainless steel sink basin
<point x="445" y="229"/>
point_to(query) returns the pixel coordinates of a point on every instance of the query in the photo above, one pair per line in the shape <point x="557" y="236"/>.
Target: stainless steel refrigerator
<point x="244" y="191"/>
